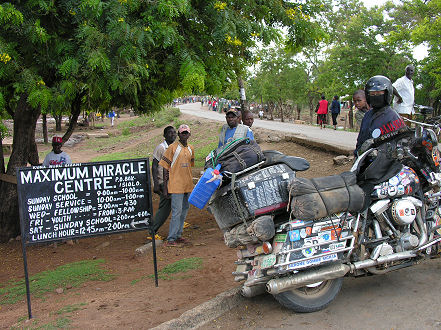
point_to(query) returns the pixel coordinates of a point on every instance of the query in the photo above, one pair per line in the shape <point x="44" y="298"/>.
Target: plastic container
<point x="203" y="190"/>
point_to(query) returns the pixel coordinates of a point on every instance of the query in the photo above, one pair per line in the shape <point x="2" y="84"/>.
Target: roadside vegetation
<point x="70" y="275"/>
<point x="130" y="137"/>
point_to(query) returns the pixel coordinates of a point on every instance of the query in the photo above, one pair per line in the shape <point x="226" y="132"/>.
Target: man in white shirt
<point x="405" y="94"/>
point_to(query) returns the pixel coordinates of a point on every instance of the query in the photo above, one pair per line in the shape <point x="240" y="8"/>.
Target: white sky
<point x="420" y="51"/>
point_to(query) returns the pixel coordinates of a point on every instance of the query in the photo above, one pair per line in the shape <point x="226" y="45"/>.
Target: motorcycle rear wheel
<point x="310" y="298"/>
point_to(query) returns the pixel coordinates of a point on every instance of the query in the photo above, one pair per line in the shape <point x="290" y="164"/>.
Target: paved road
<point x="340" y="139"/>
<point x="405" y="299"/>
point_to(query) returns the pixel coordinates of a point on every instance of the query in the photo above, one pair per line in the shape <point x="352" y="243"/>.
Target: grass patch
<point x="170" y="272"/>
<point x="70" y="308"/>
<point x="103" y="143"/>
<point x="113" y="156"/>
<point x="202" y="152"/>
<point x="167" y="116"/>
<point x="126" y="131"/>
<point x="72" y="274"/>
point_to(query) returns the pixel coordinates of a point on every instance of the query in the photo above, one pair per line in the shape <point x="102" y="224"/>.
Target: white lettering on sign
<point x="84" y="199"/>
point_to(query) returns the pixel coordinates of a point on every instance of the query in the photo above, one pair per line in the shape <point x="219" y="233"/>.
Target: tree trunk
<point x="271" y="109"/>
<point x="25" y="120"/>
<point x="243" y="99"/>
<point x="2" y="158"/>
<point x="58" y="119"/>
<point x="298" y="112"/>
<point x="45" y="138"/>
<point x="351" y="115"/>
<point x="75" y="110"/>
<point x="281" y="107"/>
<point x="311" y="107"/>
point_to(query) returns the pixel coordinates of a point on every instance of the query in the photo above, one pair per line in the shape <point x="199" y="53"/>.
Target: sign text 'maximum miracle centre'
<point x="84" y="199"/>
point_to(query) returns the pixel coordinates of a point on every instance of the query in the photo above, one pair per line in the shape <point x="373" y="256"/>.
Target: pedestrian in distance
<point x="177" y="162"/>
<point x="57" y="156"/>
<point x="335" y="110"/>
<point x="361" y="106"/>
<point x="164" y="207"/>
<point x="112" y="117"/>
<point x="404" y="93"/>
<point x="322" y="111"/>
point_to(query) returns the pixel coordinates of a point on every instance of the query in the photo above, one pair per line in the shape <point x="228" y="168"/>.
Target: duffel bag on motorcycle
<point x="320" y="197"/>
<point x="261" y="229"/>
<point x="235" y="156"/>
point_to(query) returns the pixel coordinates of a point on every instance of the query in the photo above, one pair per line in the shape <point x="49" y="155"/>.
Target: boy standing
<point x="361" y="105"/>
<point x="178" y="182"/>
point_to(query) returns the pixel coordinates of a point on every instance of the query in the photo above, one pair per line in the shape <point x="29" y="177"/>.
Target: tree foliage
<point x="418" y="22"/>
<point x="69" y="55"/>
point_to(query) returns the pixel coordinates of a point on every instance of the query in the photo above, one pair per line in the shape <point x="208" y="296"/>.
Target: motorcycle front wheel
<point x="310" y="298"/>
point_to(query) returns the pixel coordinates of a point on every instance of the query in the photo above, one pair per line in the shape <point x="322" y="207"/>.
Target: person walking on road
<point x="112" y="117"/>
<point x="177" y="162"/>
<point x="335" y="111"/>
<point x="164" y="207"/>
<point x="322" y="110"/>
<point x="404" y="92"/>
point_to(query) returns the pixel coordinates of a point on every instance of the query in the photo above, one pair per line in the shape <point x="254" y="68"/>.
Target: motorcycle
<point x="299" y="250"/>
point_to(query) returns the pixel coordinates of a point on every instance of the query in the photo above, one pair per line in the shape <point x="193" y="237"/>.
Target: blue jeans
<point x="179" y="207"/>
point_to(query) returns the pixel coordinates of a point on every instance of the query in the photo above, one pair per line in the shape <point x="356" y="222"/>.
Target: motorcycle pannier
<point x="320" y="197"/>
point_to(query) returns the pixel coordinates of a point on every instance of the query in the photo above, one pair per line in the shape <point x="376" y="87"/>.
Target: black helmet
<point x="379" y="83"/>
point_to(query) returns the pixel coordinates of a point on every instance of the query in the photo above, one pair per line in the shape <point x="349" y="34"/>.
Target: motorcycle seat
<point x="276" y="157"/>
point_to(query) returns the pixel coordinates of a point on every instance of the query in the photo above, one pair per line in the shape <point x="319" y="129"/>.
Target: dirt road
<point x="344" y="140"/>
<point x="405" y="299"/>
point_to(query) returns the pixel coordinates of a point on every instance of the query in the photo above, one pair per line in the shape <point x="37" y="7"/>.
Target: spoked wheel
<point x="310" y="298"/>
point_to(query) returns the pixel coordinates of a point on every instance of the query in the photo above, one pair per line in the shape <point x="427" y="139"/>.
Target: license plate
<point x="313" y="261"/>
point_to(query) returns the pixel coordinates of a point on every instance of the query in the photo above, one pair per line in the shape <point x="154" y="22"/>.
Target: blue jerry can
<point x="203" y="190"/>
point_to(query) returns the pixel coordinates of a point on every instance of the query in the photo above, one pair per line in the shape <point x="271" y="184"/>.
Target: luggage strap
<point x="326" y="207"/>
<point x="235" y="199"/>
<point x="176" y="154"/>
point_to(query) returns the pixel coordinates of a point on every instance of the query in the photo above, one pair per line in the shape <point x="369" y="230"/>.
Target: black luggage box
<point x="261" y="192"/>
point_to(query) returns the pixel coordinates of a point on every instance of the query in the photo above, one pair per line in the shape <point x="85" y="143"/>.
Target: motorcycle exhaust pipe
<point x="252" y="291"/>
<point x="381" y="260"/>
<point x="279" y="285"/>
